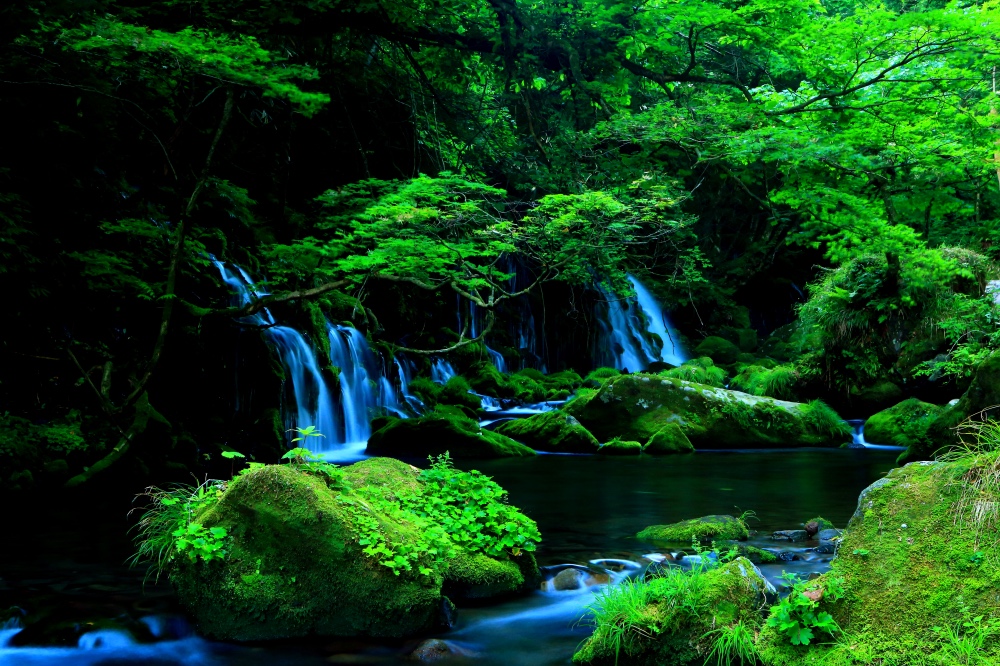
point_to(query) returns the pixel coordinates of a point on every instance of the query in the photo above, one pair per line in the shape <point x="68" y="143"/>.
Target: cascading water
<point x="441" y="370"/>
<point x="365" y="388"/>
<point x="637" y="332"/>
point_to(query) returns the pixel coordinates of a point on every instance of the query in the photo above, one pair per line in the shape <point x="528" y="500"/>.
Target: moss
<point x="758" y="555"/>
<point x="551" y="431"/>
<point x="486" y="379"/>
<point x="823" y="523"/>
<point x="718" y="349"/>
<point x="477" y="576"/>
<point x="700" y="371"/>
<point x="905" y="424"/>
<point x="678" y="633"/>
<point x="777" y="382"/>
<point x="439" y="432"/>
<point x="875" y="397"/>
<point x="596" y="377"/>
<point x="294" y="566"/>
<point x="618" y="447"/>
<point x="705" y="529"/>
<point x="636" y="406"/>
<point x="667" y="440"/>
<point x="908" y="565"/>
<point x="744" y="338"/>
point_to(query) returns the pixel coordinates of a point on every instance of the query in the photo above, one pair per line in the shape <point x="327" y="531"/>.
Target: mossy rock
<point x="295" y="568"/>
<point x="478" y="576"/>
<point x="700" y="371"/>
<point x="871" y="399"/>
<point x="982" y="397"/>
<point x="595" y="378"/>
<point x="672" y="635"/>
<point x="484" y="378"/>
<point x="905" y="424"/>
<point x="908" y="566"/>
<point x="619" y="447"/>
<point x="823" y="523"/>
<point x="719" y="349"/>
<point x="705" y="529"/>
<point x="668" y="440"/>
<point x="439" y="432"/>
<point x="636" y="407"/>
<point x="551" y="431"/>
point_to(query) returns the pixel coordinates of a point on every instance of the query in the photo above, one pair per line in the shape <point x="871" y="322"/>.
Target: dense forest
<point x="262" y="241"/>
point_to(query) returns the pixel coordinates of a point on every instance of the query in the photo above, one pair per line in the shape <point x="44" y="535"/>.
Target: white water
<point x="344" y="420"/>
<point x="858" y="438"/>
<point x="441" y="370"/>
<point x="638" y="332"/>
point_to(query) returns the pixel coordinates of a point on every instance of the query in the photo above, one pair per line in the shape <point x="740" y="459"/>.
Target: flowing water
<point x="588" y="509"/>
<point x="637" y="332"/>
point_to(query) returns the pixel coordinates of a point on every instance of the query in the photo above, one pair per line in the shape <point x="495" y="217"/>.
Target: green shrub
<point x="700" y="371"/>
<point x="798" y="617"/>
<point x="821" y="417"/>
<point x="778" y="382"/>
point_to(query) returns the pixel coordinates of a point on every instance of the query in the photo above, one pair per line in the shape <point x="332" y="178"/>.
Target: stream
<point x="67" y="566"/>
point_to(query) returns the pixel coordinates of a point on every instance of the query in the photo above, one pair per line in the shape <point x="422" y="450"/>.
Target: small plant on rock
<point x="798" y="615"/>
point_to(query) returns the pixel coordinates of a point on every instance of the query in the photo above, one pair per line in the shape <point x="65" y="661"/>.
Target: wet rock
<point x="790" y="535"/>
<point x="828" y="541"/>
<point x="439" y="432"/>
<point x="705" y="529"/>
<point x="551" y="431"/>
<point x="567" y="579"/>
<point x="812" y="528"/>
<point x="787" y="556"/>
<point x="434" y="650"/>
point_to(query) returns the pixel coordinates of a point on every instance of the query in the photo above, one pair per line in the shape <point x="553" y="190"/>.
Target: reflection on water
<point x="588" y="508"/>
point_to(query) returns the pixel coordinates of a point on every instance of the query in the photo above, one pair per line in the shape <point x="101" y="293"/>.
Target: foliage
<point x="732" y="645"/>
<point x="699" y="371"/>
<point x="797" y="615"/>
<point x="964" y="641"/>
<point x="777" y="382"/>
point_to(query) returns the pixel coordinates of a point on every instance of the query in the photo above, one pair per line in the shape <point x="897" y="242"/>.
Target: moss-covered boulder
<point x="705" y="529"/>
<point x="551" y="431"/>
<point x="918" y="553"/>
<point x="979" y="400"/>
<point x="596" y="377"/>
<point x="441" y="432"/>
<point x="905" y="424"/>
<point x="636" y="407"/>
<point x="718" y="349"/>
<point x="668" y="440"/>
<point x="700" y="371"/>
<point x="478" y="576"/>
<point x="486" y="379"/>
<point x="666" y="632"/>
<point x="620" y="447"/>
<point x="307" y="553"/>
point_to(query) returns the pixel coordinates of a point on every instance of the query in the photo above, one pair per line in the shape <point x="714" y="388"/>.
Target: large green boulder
<point x="668" y="440"/>
<point x="705" y="529"/>
<point x="636" y="407"/>
<point x="620" y="447"/>
<point x="904" y="424"/>
<point x="441" y="432"/>
<point x="675" y="619"/>
<point x="916" y="563"/>
<point x="346" y="553"/>
<point x="551" y="431"/>
<point x="718" y="349"/>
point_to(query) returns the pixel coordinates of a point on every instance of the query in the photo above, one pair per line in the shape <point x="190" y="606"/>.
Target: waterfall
<point x="637" y="332"/>
<point x="441" y="370"/>
<point x="365" y="388"/>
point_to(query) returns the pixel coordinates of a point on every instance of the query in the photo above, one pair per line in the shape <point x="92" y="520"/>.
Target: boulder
<point x="790" y="535"/>
<point x="477" y="576"/>
<point x="916" y="555"/>
<point x="674" y="633"/>
<point x="636" y="407"/>
<point x="668" y="440"/>
<point x="551" y="431"/>
<point x="439" y="432"/>
<point x="568" y="579"/>
<point x="294" y="564"/>
<point x="873" y="398"/>
<point x="705" y="529"/>
<point x="905" y="424"/>
<point x="619" y="447"/>
<point x="718" y="349"/>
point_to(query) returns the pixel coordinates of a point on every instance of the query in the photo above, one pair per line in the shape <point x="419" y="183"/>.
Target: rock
<point x="812" y="527"/>
<point x="828" y="541"/>
<point x="551" y="431"/>
<point x="901" y="582"/>
<point x="434" y="650"/>
<point x="718" y="349"/>
<point x="873" y="398"/>
<point x="568" y="579"/>
<point x="439" y="432"/>
<point x="704" y="529"/>
<point x="905" y="424"/>
<point x="477" y="576"/>
<point x="728" y="594"/>
<point x="821" y="524"/>
<point x="618" y="447"/>
<point x="827" y="535"/>
<point x="668" y="440"/>
<point x="790" y="535"/>
<point x="983" y="395"/>
<point x="636" y="407"/>
<point x="294" y="565"/>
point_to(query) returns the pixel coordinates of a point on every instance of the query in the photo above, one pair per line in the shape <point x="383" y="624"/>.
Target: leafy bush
<point x="798" y="617"/>
<point x="597" y="376"/>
